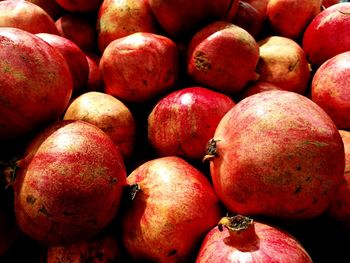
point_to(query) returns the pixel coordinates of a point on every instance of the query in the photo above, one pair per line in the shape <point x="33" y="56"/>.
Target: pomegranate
<point x="256" y="87"/>
<point x="69" y="184"/>
<point x="107" y="113"/>
<point x="36" y="84"/>
<point x="277" y="154"/>
<point x="118" y="19"/>
<point x="182" y="122"/>
<point x="95" y="81"/>
<point x="283" y="63"/>
<point x="222" y="56"/>
<point x="81" y="6"/>
<point x="78" y="29"/>
<point x="173" y="209"/>
<point x="74" y="56"/>
<point x="328" y="34"/>
<point x="289" y="18"/>
<point x="329" y="89"/>
<point x="50" y="6"/>
<point x="240" y="239"/>
<point x="26" y="16"/>
<point x="339" y="209"/>
<point x="101" y="250"/>
<point x="182" y="18"/>
<point x="138" y="67"/>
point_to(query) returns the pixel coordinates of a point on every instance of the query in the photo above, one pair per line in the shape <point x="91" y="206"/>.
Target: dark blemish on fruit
<point x="172" y="253"/>
<point x="298" y="189"/>
<point x="30" y="199"/>
<point x="201" y="61"/>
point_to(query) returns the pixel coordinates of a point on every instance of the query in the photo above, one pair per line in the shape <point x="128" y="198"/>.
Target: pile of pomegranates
<point x="174" y="131"/>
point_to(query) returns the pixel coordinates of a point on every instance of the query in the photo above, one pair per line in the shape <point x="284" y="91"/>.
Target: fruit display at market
<point x="174" y="131"/>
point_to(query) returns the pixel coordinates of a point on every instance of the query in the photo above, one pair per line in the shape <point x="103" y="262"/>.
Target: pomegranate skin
<point x="117" y="19"/>
<point x="139" y="67"/>
<point x="339" y="209"/>
<point x="36" y="84"/>
<point x="74" y="56"/>
<point x="182" y="122"/>
<point x="257" y="87"/>
<point x="26" y="16"/>
<point x="222" y="56"/>
<point x="69" y="184"/>
<point x="278" y="154"/>
<point x="265" y="243"/>
<point x="109" y="114"/>
<point x="329" y="89"/>
<point x="328" y="34"/>
<point x="283" y="62"/>
<point x="81" y="6"/>
<point x="95" y="81"/>
<point x="173" y="210"/>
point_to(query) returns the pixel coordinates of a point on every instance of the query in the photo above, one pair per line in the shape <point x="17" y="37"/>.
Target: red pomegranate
<point x="69" y="184"/>
<point x="117" y="19"/>
<point x="79" y="29"/>
<point x="329" y="89"/>
<point x="180" y="18"/>
<point x="240" y="239"/>
<point x="222" y="56"/>
<point x="290" y="18"/>
<point x="173" y="209"/>
<point x="95" y="81"/>
<point x="36" y="84"/>
<point x="182" y="122"/>
<point x="101" y="250"/>
<point x="74" y="56"/>
<point x="256" y="87"/>
<point x="328" y="34"/>
<point x="109" y="114"/>
<point x="283" y="63"/>
<point x="339" y="210"/>
<point x="26" y="16"/>
<point x="277" y="154"/>
<point x="138" y="67"/>
<point x="50" y="6"/>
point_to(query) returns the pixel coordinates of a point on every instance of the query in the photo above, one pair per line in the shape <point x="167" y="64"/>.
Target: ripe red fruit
<point x="339" y="209"/>
<point x="180" y="18"/>
<point x="330" y="89"/>
<point x="107" y="113"/>
<point x="118" y="19"/>
<point x="290" y="18"/>
<point x="256" y="87"/>
<point x="26" y="16"/>
<point x="50" y="6"/>
<point x="36" y="84"/>
<point x="328" y="34"/>
<point x="182" y="122"/>
<point x="81" y="6"/>
<point x="69" y="184"/>
<point x="95" y="81"/>
<point x="74" y="56"/>
<point x="222" y="56"/>
<point x="283" y="63"/>
<point x="174" y="208"/>
<point x="140" y="66"/>
<point x="240" y="239"/>
<point x="276" y="153"/>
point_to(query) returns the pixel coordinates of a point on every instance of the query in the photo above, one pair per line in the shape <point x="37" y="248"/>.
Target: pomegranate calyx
<point x="9" y="171"/>
<point x="210" y="150"/>
<point x="132" y="191"/>
<point x="235" y="223"/>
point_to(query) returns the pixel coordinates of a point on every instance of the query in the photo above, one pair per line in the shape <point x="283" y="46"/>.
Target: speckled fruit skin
<point x="283" y="63"/>
<point x="328" y="34"/>
<point x="171" y="213"/>
<point x="69" y="184"/>
<point x="222" y="56"/>
<point x="182" y="122"/>
<point x="101" y="250"/>
<point x="267" y="244"/>
<point x="36" y="84"/>
<point x="290" y="18"/>
<point x="278" y="154"/>
<point x="26" y="16"/>
<point x="339" y="209"/>
<point x="118" y="19"/>
<point x="330" y="89"/>
<point x="180" y="18"/>
<point x="74" y="56"/>
<point x="139" y="67"/>
<point x="109" y="114"/>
